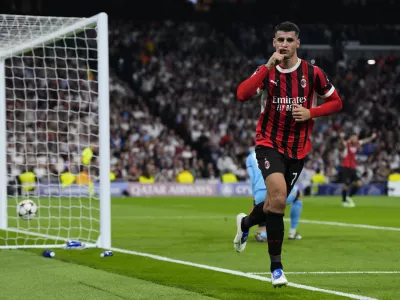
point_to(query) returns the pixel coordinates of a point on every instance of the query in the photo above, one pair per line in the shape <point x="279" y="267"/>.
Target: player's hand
<point x="342" y="135"/>
<point x="300" y="113"/>
<point x="274" y="60"/>
<point x="373" y="136"/>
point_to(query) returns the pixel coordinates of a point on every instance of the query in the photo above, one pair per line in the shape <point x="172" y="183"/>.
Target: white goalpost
<point x="54" y="104"/>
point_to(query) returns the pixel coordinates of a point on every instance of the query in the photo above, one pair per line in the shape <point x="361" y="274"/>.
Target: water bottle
<point x="74" y="245"/>
<point x="106" y="253"/>
<point x="48" y="253"/>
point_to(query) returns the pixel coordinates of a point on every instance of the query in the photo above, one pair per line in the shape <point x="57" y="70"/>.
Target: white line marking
<point x="344" y="272"/>
<point x="348" y="225"/>
<point x="238" y="273"/>
<point x="178" y="217"/>
<point x="285" y="219"/>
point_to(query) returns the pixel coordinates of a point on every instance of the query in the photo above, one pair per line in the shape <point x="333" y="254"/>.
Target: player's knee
<point x="358" y="183"/>
<point x="277" y="203"/>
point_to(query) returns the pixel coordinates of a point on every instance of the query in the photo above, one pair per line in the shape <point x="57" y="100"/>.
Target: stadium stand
<point x="189" y="81"/>
<point x="173" y="105"/>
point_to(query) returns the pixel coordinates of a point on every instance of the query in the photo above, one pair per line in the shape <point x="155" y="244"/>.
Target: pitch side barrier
<point x="203" y="189"/>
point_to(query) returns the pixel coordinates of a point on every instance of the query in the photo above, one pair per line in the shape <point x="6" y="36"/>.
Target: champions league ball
<point x="26" y="209"/>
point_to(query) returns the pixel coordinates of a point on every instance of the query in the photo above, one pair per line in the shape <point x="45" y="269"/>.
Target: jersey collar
<point x="291" y="69"/>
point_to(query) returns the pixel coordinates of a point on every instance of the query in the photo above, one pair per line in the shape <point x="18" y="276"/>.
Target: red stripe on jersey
<point x="292" y="151"/>
<point x="264" y="123"/>
<point x="288" y="121"/>
<point x="350" y="152"/>
<point x="282" y="114"/>
<point x="273" y="123"/>
<point x="304" y="69"/>
<point x="308" y="92"/>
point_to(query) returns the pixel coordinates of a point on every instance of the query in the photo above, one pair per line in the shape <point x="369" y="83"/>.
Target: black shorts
<point x="348" y="175"/>
<point x="271" y="161"/>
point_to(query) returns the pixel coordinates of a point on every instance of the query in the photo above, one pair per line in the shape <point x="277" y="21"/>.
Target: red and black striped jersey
<point x="349" y="155"/>
<point x="281" y="89"/>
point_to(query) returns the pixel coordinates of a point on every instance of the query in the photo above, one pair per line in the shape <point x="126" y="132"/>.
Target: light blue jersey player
<point x="259" y="192"/>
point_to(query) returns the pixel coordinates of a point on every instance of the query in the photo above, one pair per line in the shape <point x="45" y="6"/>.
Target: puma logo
<point x="276" y="83"/>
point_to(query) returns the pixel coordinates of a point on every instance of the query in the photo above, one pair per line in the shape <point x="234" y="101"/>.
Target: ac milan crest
<point x="303" y="83"/>
<point x="267" y="164"/>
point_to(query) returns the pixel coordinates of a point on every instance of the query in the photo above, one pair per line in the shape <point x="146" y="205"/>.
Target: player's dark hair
<point x="287" y="27"/>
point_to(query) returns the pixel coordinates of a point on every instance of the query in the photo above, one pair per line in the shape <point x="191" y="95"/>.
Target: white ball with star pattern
<point x="26" y="209"/>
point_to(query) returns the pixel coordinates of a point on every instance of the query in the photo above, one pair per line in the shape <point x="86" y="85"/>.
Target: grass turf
<point x="201" y="230"/>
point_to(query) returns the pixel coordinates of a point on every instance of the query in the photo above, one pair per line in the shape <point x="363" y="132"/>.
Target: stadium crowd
<point x="173" y="106"/>
<point x="188" y="73"/>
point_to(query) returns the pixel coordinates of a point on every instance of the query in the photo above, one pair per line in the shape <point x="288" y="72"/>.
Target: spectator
<point x="173" y="103"/>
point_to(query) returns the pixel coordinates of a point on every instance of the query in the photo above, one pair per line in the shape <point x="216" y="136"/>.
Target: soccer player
<point x="288" y="86"/>
<point x="259" y="192"/>
<point x="348" y="172"/>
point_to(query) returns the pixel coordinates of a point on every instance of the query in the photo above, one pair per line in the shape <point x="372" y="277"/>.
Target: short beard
<point x="288" y="57"/>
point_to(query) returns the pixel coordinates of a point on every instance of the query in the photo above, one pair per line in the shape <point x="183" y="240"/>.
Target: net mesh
<point x="51" y="118"/>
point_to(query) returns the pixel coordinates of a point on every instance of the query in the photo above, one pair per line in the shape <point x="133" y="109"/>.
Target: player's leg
<point x="274" y="209"/>
<point x="292" y="173"/>
<point x="273" y="165"/>
<point x="294" y="199"/>
<point x="295" y="213"/>
<point x="261" y="234"/>
<point x="245" y="222"/>
<point x="346" y="180"/>
<point x="344" y="192"/>
<point x="255" y="217"/>
<point x="354" y="187"/>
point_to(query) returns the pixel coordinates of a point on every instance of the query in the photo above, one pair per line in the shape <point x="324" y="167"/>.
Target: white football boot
<point x="294" y="235"/>
<point x="278" y="278"/>
<point x="348" y="203"/>
<point x="239" y="243"/>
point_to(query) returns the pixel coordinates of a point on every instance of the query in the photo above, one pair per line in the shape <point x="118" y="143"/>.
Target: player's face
<point x="286" y="43"/>
<point x="353" y="139"/>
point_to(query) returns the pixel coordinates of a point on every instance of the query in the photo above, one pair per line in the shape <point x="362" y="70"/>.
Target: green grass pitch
<point x="332" y="255"/>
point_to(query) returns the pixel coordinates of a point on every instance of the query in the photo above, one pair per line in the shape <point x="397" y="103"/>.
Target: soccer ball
<point x="26" y="209"/>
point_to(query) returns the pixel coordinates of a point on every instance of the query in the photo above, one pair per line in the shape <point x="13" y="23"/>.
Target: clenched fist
<point x="274" y="60"/>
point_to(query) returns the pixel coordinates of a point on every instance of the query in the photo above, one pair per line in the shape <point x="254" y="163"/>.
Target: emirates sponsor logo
<point x="289" y="100"/>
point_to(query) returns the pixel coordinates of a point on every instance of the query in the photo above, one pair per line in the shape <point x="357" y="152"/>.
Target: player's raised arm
<point x="251" y="86"/>
<point x="343" y="140"/>
<point x="367" y="140"/>
<point x="325" y="90"/>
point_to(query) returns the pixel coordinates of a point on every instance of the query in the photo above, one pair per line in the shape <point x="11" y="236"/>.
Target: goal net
<point x="54" y="105"/>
